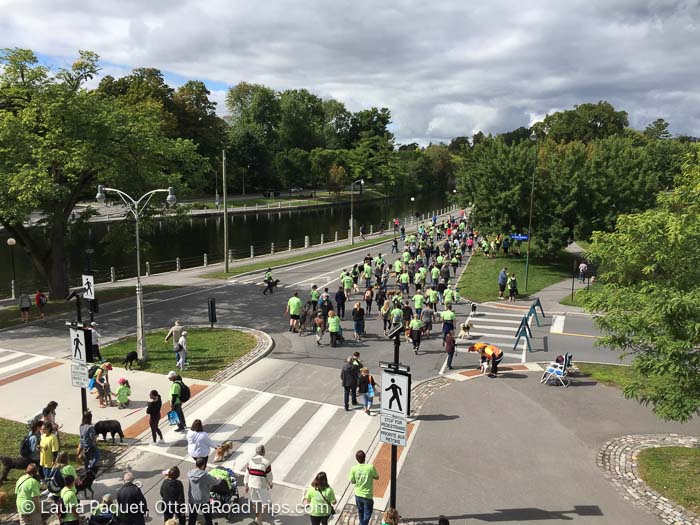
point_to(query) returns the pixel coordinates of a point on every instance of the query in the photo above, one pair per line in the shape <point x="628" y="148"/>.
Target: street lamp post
<point x="352" y="203"/>
<point x="11" y="243"/>
<point x="136" y="207"/>
<point x="413" y="209"/>
<point x="533" y="137"/>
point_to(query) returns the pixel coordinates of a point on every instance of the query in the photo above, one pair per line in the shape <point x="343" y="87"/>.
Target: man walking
<point x="348" y="378"/>
<point x="502" y="280"/>
<point x="200" y="486"/>
<point x="294" y="306"/>
<point x="362" y="476"/>
<point x="175" y="401"/>
<point x="27" y="491"/>
<point x="450" y="348"/>
<point x="133" y="507"/>
<point x="269" y="282"/>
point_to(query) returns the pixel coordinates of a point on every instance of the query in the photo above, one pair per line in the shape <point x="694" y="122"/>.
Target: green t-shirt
<point x="175" y="391"/>
<point x="416" y="324"/>
<point x="347" y="282"/>
<point x="397" y="266"/>
<point x="26" y="488"/>
<point x="435" y="272"/>
<point x="448" y="295"/>
<point x="440" y="259"/>
<point x="448" y="315"/>
<point x="334" y="324"/>
<point x="396" y="315"/>
<point x="294" y="304"/>
<point x="70" y="501"/>
<point x="319" y="506"/>
<point x="418" y="300"/>
<point x="314" y="295"/>
<point x="406" y="256"/>
<point x="69" y="470"/>
<point x="434" y="296"/>
<point x="363" y="476"/>
<point x="405" y="278"/>
<point x="123" y="393"/>
<point x="368" y="271"/>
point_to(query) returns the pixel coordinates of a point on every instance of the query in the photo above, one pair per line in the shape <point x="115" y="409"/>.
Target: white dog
<point x="464" y="330"/>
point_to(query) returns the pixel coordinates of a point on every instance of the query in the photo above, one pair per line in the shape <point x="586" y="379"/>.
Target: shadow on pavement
<point x="510" y="375"/>
<point x="435" y="417"/>
<point x="521" y="514"/>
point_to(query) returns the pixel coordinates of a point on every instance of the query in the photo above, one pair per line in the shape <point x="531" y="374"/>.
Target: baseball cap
<point x="172" y="374"/>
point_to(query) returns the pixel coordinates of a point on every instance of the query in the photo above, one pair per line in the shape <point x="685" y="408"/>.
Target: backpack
<point x="25" y="448"/>
<point x="92" y="370"/>
<point x="55" y="482"/>
<point x="184" y="392"/>
<point x="43" y="300"/>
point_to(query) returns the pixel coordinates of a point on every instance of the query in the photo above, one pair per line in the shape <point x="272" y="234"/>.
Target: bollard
<point x="12" y="287"/>
<point x="252" y="251"/>
<point x="268" y="205"/>
<point x="371" y="229"/>
<point x="256" y="206"/>
<point x="244" y="208"/>
<point x="177" y="264"/>
<point x="306" y="241"/>
<point x="272" y="248"/>
<point x="290" y="245"/>
<point x="348" y="233"/>
<point x="206" y="260"/>
<point x="112" y="275"/>
<point x="336" y="236"/>
<point x="148" y="269"/>
<point x="230" y="255"/>
<point x="279" y="204"/>
<point x="321" y="238"/>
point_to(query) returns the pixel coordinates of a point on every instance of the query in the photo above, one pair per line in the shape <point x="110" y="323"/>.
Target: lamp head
<point x="100" y="197"/>
<point x="533" y="136"/>
<point x="11" y="241"/>
<point x="362" y="181"/>
<point x="171" y="200"/>
<point x="413" y="199"/>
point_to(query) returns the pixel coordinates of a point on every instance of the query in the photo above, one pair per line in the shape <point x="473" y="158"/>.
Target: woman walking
<point x="153" y="411"/>
<point x="369" y="295"/>
<point x="48" y="448"/>
<point x="198" y="442"/>
<point x="258" y="482"/>
<point x="333" y="328"/>
<point x="172" y="493"/>
<point x="321" y="498"/>
<point x="366" y="386"/>
<point x="358" y="319"/>
<point x="385" y="312"/>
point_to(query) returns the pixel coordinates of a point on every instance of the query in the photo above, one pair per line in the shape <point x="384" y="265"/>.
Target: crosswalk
<point x="301" y="437"/>
<point x="494" y="326"/>
<point x="13" y="363"/>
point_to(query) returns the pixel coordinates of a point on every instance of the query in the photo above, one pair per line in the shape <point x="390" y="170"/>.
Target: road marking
<point x="557" y="324"/>
<point x="480" y="326"/>
<point x="497" y="314"/>
<point x="205" y="411"/>
<point x="580" y="335"/>
<point x="497" y="336"/>
<point x="241" y="417"/>
<point x="335" y="460"/>
<point x="22" y="364"/>
<point x="302" y="441"/>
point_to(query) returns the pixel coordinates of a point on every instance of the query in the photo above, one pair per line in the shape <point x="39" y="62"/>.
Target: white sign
<point x="78" y="352"/>
<point x="79" y="375"/>
<point x="392" y="429"/>
<point x="396" y="389"/>
<point x="88" y="282"/>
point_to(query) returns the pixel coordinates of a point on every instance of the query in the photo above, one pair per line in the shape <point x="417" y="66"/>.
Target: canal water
<point x="102" y="245"/>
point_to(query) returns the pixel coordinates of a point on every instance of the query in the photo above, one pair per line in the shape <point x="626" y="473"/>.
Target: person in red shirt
<point x="40" y="299"/>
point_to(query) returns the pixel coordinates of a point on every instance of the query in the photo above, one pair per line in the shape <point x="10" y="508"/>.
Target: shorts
<point x="427" y="326"/>
<point x="24" y="309"/>
<point x="502" y="287"/>
<point x="294" y="316"/>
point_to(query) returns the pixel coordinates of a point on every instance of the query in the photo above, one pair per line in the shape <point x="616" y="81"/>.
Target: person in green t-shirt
<point x="416" y="327"/>
<point x="320" y="497"/>
<point x="175" y="401"/>
<point x="418" y="301"/>
<point x="362" y="476"/>
<point x="123" y="393"/>
<point x="333" y="328"/>
<point x="70" y="502"/>
<point x="27" y="490"/>
<point x="448" y="321"/>
<point x="294" y="306"/>
<point x="404" y="280"/>
<point x="314" y="296"/>
<point x="435" y="275"/>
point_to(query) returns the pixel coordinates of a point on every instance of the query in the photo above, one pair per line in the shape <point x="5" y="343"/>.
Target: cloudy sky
<point x="443" y="67"/>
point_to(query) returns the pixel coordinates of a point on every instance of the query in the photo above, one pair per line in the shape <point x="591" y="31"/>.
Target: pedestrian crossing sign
<point x="78" y="352"/>
<point x="395" y="393"/>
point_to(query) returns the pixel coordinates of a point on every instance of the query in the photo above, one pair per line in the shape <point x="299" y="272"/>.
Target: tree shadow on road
<point x="519" y="514"/>
<point x="435" y="417"/>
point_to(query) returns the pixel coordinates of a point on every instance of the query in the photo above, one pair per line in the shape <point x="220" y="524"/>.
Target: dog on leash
<point x="484" y="366"/>
<point x="131" y="358"/>
<point x="223" y="451"/>
<point x="464" y="330"/>
<point x="109" y="426"/>
<point x="84" y="482"/>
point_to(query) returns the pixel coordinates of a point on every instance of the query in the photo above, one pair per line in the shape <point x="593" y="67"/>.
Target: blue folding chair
<point x="558" y="371"/>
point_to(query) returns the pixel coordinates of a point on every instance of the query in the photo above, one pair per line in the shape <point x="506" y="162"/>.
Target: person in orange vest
<point x="489" y="353"/>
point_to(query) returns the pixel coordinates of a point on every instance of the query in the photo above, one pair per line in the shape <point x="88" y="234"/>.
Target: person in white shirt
<point x="199" y="444"/>
<point x="258" y="482"/>
<point x="182" y="354"/>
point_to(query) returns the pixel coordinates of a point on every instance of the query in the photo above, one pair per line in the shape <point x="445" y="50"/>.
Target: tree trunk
<point x="56" y="263"/>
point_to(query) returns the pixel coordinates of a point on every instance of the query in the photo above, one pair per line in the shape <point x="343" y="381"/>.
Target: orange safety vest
<point x="492" y="351"/>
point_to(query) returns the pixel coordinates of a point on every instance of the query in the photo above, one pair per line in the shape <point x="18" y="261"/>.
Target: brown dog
<point x="223" y="451"/>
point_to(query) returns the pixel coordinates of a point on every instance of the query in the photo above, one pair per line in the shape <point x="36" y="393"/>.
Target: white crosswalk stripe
<point x="12" y="362"/>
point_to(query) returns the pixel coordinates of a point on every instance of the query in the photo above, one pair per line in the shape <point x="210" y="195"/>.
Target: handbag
<point x="329" y="503"/>
<point x="370" y="388"/>
<point x="173" y="418"/>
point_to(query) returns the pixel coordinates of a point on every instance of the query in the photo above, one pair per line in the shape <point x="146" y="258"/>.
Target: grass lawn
<point x="579" y="295"/>
<point x="480" y="280"/>
<point x="209" y="351"/>
<point x="322" y="197"/>
<point x="292" y="259"/>
<point x="674" y="472"/>
<point x="9" y="316"/>
<point x="11" y="435"/>
<point x="617" y="375"/>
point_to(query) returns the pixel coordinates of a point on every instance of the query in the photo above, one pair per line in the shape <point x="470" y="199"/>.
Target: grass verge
<point x="579" y="296"/>
<point x="294" y="200"/>
<point x="261" y="265"/>
<point x="479" y="281"/>
<point x="674" y="472"/>
<point x="616" y="375"/>
<point x="9" y="316"/>
<point x="11" y="435"/>
<point x="209" y="351"/>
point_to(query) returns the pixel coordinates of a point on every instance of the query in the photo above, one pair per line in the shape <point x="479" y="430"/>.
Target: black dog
<point x="109" y="426"/>
<point x="84" y="482"/>
<point x="473" y="305"/>
<point x="8" y="464"/>
<point x="130" y="359"/>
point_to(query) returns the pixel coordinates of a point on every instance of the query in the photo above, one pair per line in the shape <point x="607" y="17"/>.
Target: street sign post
<point x="79" y="375"/>
<point x="78" y="350"/>
<point x="519" y="236"/>
<point x="395" y="394"/>
<point x="88" y="282"/>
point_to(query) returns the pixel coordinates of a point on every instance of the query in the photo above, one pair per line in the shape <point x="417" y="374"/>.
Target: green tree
<point x="586" y="122"/>
<point x="301" y="120"/>
<point x="337" y="125"/>
<point x="658" y="130"/>
<point x="337" y="178"/>
<point x="649" y="307"/>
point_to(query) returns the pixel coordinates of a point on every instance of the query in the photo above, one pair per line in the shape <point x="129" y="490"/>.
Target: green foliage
<point x="650" y="303"/>
<point x="586" y="122"/>
<point x="658" y="130"/>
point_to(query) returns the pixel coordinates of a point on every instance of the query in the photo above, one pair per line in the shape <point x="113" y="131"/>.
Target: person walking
<point x="362" y="476"/>
<point x="367" y="387"/>
<point x="25" y="303"/>
<point x="450" y="348"/>
<point x="415" y="326"/>
<point x="88" y="442"/>
<point x="269" y="282"/>
<point x="175" y="332"/>
<point x="358" y="320"/>
<point x="199" y="444"/>
<point x="294" y="306"/>
<point x="502" y="281"/>
<point x="176" y="401"/>
<point x="27" y="491"/>
<point x="95" y="337"/>
<point x="69" y="501"/>
<point x="448" y="322"/>
<point x="321" y="498"/>
<point x="258" y="482"/>
<point x="172" y="493"/>
<point x="182" y="351"/>
<point x="512" y="287"/>
<point x="348" y="378"/>
<point x="333" y="328"/>
<point x="153" y="411"/>
<point x="133" y="507"/>
<point x="384" y="312"/>
<point x="426" y="316"/>
<point x="200" y="486"/>
<point x="340" y="299"/>
<point x="41" y="301"/>
<point x="369" y="296"/>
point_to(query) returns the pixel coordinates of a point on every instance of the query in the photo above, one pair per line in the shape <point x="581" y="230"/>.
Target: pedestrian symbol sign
<point x="88" y="282"/>
<point x="78" y="352"/>
<point x="395" y="396"/>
